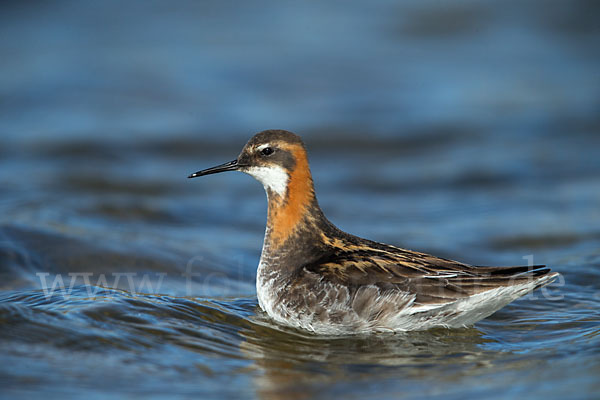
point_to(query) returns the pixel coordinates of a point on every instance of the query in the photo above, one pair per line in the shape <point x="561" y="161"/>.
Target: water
<point x="468" y="130"/>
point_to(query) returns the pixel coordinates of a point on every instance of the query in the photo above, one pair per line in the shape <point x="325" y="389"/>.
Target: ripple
<point x="160" y="330"/>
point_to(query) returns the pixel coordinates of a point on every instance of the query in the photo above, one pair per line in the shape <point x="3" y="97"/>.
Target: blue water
<point x="467" y="129"/>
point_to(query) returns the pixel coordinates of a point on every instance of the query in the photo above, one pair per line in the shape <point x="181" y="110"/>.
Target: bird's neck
<point x="295" y="221"/>
<point x="290" y="210"/>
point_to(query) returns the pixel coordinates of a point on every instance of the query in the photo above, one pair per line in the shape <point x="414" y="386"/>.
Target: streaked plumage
<point x="313" y="276"/>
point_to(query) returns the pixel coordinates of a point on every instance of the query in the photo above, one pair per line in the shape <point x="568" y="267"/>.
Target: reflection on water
<point x="465" y="129"/>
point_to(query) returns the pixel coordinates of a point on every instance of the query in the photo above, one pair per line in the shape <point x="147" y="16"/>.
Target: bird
<point x="318" y="278"/>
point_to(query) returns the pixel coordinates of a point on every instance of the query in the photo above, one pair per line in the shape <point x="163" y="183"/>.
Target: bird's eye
<point x="267" y="151"/>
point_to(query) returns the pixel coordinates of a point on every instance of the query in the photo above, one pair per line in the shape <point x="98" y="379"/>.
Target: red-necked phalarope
<point x="312" y="275"/>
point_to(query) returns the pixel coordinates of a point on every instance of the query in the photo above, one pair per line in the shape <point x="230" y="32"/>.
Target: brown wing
<point x="432" y="279"/>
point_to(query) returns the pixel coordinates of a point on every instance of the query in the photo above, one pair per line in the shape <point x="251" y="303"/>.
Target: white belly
<point x="322" y="307"/>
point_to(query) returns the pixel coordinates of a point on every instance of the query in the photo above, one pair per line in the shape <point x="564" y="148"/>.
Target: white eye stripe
<point x="263" y="146"/>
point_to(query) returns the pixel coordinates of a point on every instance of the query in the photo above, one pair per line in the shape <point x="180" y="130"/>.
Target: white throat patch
<point x="274" y="178"/>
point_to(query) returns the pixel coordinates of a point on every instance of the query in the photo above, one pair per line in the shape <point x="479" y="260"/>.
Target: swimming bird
<point x="312" y="275"/>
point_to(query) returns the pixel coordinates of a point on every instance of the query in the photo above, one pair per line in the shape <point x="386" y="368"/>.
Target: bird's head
<point x="276" y="158"/>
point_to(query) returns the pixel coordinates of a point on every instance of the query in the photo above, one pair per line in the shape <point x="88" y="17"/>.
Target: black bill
<point x="228" y="166"/>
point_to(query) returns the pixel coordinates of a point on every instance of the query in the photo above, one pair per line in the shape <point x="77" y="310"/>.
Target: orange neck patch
<point x="285" y="213"/>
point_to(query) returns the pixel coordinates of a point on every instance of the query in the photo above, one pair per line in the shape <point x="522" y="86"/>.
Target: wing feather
<point x="433" y="280"/>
